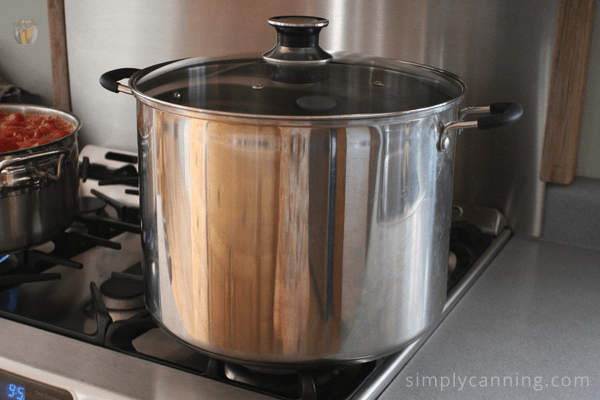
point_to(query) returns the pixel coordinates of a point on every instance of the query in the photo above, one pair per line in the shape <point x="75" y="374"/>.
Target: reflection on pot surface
<point x="289" y="244"/>
<point x="405" y="172"/>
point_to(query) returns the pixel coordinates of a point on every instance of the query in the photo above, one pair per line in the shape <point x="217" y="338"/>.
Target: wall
<point x="26" y="66"/>
<point x="588" y="159"/>
<point x="501" y="49"/>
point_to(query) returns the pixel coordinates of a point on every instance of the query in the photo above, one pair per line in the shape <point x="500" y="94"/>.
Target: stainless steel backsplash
<point x="502" y="50"/>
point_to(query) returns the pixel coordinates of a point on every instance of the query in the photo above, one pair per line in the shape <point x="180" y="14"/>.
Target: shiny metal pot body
<point x="39" y="186"/>
<point x="296" y="206"/>
<point x="294" y="242"/>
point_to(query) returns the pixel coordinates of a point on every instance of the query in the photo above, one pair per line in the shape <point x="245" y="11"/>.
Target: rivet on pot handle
<point x="110" y="80"/>
<point x="503" y="114"/>
<point x="59" y="167"/>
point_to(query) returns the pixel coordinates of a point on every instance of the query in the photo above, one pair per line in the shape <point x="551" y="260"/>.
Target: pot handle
<point x="110" y="80"/>
<point x="63" y="152"/>
<point x="503" y="114"/>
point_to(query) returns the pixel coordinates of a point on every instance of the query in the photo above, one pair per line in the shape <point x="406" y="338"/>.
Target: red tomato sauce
<point x="20" y="131"/>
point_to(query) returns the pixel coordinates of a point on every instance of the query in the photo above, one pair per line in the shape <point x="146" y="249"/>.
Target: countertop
<point x="527" y="329"/>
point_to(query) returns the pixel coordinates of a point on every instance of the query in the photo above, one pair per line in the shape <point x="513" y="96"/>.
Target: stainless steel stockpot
<point x="39" y="186"/>
<point x="296" y="206"/>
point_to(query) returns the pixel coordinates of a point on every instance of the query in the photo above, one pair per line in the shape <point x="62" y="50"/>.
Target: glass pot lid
<point x="299" y="79"/>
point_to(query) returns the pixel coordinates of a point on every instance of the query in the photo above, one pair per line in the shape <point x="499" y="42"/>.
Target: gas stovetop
<point x="73" y="322"/>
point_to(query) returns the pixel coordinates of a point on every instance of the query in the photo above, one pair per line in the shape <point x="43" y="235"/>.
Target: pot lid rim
<point x="339" y="57"/>
<point x="291" y="120"/>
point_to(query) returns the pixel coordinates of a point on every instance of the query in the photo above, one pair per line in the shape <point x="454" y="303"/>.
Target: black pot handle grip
<point x="110" y="80"/>
<point x="503" y="114"/>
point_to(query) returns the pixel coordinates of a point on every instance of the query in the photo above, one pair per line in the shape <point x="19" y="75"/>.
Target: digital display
<point x="16" y="387"/>
<point x="11" y="391"/>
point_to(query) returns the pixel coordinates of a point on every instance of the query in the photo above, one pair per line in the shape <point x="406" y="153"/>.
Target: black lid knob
<point x="297" y="41"/>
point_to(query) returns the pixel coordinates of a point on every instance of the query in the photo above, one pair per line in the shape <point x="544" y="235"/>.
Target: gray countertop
<point x="529" y="328"/>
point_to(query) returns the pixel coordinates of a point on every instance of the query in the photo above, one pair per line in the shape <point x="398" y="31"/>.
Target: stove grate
<point x="103" y="320"/>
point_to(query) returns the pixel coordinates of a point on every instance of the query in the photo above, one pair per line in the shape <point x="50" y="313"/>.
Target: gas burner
<point x="7" y="262"/>
<point x="90" y="206"/>
<point x="122" y="294"/>
<point x="28" y="266"/>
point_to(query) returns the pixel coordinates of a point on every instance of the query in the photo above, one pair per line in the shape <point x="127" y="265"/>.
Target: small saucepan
<point x="39" y="186"/>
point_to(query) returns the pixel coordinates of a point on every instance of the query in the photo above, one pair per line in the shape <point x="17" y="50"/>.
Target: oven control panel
<point x="15" y="387"/>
